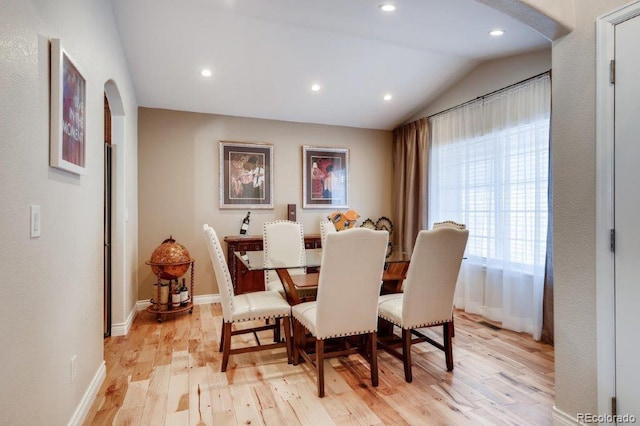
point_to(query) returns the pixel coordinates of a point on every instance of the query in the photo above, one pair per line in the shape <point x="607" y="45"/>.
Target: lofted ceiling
<point x="265" y="55"/>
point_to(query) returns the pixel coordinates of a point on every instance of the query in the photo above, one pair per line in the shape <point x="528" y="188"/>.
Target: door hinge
<point x="612" y="71"/>
<point x="614" y="406"/>
<point x="612" y="240"/>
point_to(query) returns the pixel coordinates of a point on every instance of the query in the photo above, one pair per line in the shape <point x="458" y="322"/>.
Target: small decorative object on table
<point x="169" y="261"/>
<point x="344" y="220"/>
<point x="245" y="224"/>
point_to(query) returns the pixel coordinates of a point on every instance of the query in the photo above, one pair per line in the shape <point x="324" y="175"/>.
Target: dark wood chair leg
<point x="453" y="330"/>
<point x="276" y="331"/>
<point x="447" y="332"/>
<point x="296" y="332"/>
<point x="221" y="337"/>
<point x="373" y="361"/>
<point x="406" y="354"/>
<point x="320" y="366"/>
<point x="227" y="345"/>
<point x="287" y="338"/>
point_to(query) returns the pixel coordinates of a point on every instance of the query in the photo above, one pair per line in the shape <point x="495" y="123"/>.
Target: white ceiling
<point x="265" y="54"/>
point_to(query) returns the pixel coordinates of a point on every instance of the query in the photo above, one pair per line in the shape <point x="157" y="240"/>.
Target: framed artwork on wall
<point x="68" y="147"/>
<point x="325" y="177"/>
<point x="246" y="175"/>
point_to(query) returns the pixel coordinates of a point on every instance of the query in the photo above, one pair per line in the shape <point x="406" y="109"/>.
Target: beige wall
<point x="489" y="76"/>
<point x="52" y="285"/>
<point x="574" y="216"/>
<point x="179" y="179"/>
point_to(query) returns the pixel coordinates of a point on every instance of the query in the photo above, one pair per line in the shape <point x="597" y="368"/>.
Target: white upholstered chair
<point x="456" y="225"/>
<point x="283" y="242"/>
<point x="244" y="307"/>
<point x="326" y="227"/>
<point x="450" y="224"/>
<point x="347" y="301"/>
<point x="427" y="299"/>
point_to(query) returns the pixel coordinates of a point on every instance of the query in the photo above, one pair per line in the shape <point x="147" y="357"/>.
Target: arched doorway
<point x="114" y="227"/>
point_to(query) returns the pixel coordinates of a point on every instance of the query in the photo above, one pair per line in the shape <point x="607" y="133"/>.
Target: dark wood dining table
<point x="396" y="265"/>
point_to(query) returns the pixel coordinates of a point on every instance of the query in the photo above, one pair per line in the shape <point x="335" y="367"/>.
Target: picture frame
<point x="325" y="177"/>
<point x="68" y="144"/>
<point x="246" y="175"/>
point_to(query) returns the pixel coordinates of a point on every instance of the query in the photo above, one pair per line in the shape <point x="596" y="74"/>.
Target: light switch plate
<point x="35" y="221"/>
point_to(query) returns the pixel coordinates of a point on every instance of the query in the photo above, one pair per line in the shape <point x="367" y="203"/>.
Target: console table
<point x="245" y="281"/>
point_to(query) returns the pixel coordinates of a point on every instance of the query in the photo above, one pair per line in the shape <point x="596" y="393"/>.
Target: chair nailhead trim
<point x="353" y="333"/>
<point x="227" y="277"/>
<point x="426" y="324"/>
<point x="258" y="318"/>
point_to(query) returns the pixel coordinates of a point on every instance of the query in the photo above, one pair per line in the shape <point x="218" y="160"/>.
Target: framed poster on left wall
<point x="68" y="147"/>
<point x="246" y="175"/>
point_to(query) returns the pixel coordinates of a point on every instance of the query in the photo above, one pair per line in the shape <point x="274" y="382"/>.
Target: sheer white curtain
<point x="489" y="169"/>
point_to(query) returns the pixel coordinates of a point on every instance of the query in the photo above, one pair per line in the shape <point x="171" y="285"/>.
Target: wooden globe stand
<point x="160" y="308"/>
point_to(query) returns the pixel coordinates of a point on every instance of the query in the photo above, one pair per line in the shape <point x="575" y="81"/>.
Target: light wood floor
<point x="169" y="374"/>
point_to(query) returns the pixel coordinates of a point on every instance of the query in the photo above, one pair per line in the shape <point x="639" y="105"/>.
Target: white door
<point x="627" y="215"/>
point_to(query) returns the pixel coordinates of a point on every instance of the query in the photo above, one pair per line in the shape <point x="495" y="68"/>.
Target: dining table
<point x="395" y="269"/>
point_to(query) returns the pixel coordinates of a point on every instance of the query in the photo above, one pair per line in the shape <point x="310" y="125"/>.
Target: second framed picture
<point x="68" y="113"/>
<point x="325" y="177"/>
<point x="246" y="175"/>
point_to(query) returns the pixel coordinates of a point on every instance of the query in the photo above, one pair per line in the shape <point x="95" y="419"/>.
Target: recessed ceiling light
<point x="315" y="87"/>
<point x="387" y="97"/>
<point x="496" y="32"/>
<point x="206" y="73"/>
<point x="387" y="7"/>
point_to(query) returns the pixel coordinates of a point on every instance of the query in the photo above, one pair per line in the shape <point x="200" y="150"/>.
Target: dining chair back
<point x="427" y="299"/>
<point x="349" y="282"/>
<point x="456" y="225"/>
<point x="283" y="243"/>
<point x="261" y="305"/>
<point x="326" y="227"/>
<point x="221" y="272"/>
<point x="431" y="279"/>
<point x="450" y="224"/>
<point x="347" y="300"/>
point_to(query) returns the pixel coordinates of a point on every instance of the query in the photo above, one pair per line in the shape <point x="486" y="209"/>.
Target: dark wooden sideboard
<point x="245" y="281"/>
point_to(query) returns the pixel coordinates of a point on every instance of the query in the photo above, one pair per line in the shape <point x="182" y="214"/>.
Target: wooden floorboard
<point x="169" y="374"/>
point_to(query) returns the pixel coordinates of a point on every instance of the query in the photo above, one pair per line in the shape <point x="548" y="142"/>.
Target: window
<point x="489" y="169"/>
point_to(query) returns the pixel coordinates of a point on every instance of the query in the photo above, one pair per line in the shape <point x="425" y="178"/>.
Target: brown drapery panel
<point x="410" y="162"/>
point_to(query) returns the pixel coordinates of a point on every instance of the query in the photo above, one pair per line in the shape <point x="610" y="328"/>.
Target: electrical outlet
<point x="74" y="368"/>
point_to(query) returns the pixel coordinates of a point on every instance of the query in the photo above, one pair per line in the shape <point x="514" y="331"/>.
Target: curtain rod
<point x="489" y="94"/>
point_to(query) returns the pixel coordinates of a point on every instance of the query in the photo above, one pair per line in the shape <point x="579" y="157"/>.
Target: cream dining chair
<point x="347" y="301"/>
<point x="326" y="227"/>
<point x="261" y="305"/>
<point x="450" y="224"/>
<point x="283" y="243"/>
<point x="456" y="225"/>
<point x="427" y="299"/>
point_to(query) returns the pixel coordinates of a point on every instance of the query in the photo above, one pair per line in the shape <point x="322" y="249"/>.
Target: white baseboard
<point x="122" y="329"/>
<point x="560" y="418"/>
<point x="205" y="299"/>
<point x="89" y="396"/>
